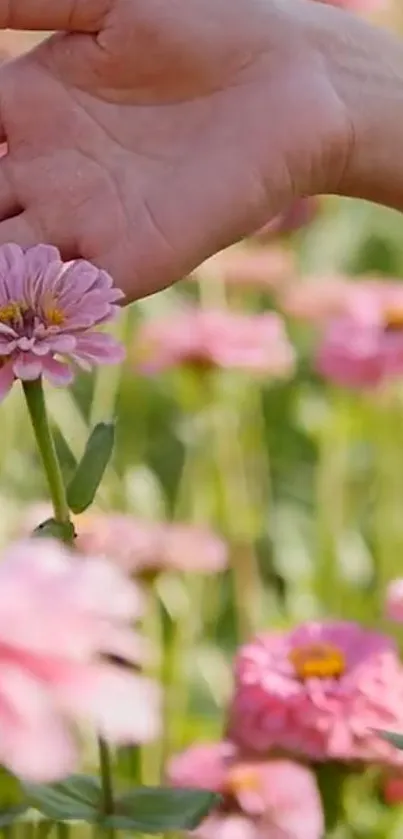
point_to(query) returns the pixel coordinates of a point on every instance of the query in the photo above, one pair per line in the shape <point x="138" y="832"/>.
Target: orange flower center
<point x="317" y="661"/>
<point x="242" y="779"/>
<point x="394" y="317"/>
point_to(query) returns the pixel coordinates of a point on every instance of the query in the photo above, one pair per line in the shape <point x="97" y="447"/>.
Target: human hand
<point x="149" y="135"/>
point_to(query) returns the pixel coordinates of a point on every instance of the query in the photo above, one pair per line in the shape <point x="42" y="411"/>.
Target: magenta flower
<point x="209" y="339"/>
<point x="249" y="267"/>
<point x="319" y="691"/>
<point x="140" y="547"/>
<point x="47" y="313"/>
<point x="273" y="799"/>
<point x="364" y="346"/>
<point x="394" y="601"/>
<point x="60" y="617"/>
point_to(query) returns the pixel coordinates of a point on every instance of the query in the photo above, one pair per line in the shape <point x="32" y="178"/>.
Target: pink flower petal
<point x="27" y="367"/>
<point x="34" y="742"/>
<point x="56" y="372"/>
<point x="125" y="707"/>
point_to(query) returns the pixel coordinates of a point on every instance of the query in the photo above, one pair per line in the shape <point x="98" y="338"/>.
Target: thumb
<point x="67" y="15"/>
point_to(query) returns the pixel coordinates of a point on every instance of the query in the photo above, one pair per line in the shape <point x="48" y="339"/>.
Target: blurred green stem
<point x="237" y="504"/>
<point x="35" y="399"/>
<point x="106" y="783"/>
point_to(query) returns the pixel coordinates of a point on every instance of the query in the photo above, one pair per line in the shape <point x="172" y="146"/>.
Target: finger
<point x="19" y="230"/>
<point x="67" y="15"/>
<point x="9" y="203"/>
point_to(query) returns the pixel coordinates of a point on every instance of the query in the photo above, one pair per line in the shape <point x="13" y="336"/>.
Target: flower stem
<point x="106" y="781"/>
<point x="35" y="399"/>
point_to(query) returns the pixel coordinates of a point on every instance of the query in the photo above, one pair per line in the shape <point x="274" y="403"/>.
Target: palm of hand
<point x="148" y="177"/>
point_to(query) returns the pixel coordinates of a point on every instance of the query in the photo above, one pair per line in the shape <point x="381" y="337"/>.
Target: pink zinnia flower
<point x="319" y="691"/>
<point x="60" y="618"/>
<point x="217" y="339"/>
<point x="47" y="313"/>
<point x="394" y="601"/>
<point x="249" y="267"/>
<point x="140" y="547"/>
<point x="276" y="799"/>
<point x="316" y="300"/>
<point x="364" y="346"/>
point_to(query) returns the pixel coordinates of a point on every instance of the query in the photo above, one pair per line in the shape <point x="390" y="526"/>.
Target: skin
<point x="151" y="134"/>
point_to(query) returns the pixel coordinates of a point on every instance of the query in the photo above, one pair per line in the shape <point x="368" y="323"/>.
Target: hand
<point x="151" y="134"/>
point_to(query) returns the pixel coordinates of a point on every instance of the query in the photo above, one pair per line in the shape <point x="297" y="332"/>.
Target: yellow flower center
<point x="54" y="316"/>
<point x="11" y="312"/>
<point x="242" y="778"/>
<point x="20" y="314"/>
<point x="318" y="661"/>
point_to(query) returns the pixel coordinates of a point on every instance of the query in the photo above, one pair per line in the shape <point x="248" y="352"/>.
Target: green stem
<point x="106" y="781"/>
<point x="35" y="399"/>
<point x="62" y="830"/>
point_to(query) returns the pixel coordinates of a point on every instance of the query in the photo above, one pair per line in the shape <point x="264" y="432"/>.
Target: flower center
<point x="394" y="318"/>
<point x="22" y="318"/>
<point x="242" y="779"/>
<point x="317" y="661"/>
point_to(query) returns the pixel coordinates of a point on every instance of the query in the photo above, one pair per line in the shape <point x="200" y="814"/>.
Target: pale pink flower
<point x="60" y="618"/>
<point x="209" y="339"/>
<point x="320" y="691"/>
<point x="272" y="799"/>
<point x="394" y="601"/>
<point x="249" y="267"/>
<point x="140" y="546"/>
<point x="47" y="313"/>
<point x="364" y="346"/>
<point x="315" y="299"/>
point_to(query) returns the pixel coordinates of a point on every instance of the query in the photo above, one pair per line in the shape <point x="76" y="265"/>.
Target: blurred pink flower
<point x="394" y="601"/>
<point x="60" y="617"/>
<point x="392" y="789"/>
<point x="47" y="311"/>
<point x="319" y="691"/>
<point x="357" y="5"/>
<point x="276" y="799"/>
<point x="249" y="267"/>
<point x="139" y="546"/>
<point x="364" y="346"/>
<point x="212" y="338"/>
<point x="301" y="213"/>
<point x="315" y="300"/>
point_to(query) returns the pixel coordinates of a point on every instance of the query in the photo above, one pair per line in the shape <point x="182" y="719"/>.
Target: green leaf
<point x="158" y="810"/>
<point x="77" y="798"/>
<point x="393" y="737"/>
<point x="52" y="529"/>
<point x="11" y="814"/>
<point x="89" y="472"/>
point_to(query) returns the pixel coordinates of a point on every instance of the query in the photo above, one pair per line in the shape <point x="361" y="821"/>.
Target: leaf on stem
<point x="77" y="798"/>
<point x="159" y="810"/>
<point x="89" y="472"/>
